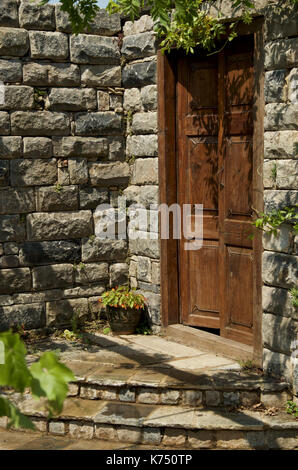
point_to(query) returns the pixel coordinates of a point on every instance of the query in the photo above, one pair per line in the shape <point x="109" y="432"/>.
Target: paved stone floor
<point x="136" y="351"/>
<point x="18" y="440"/>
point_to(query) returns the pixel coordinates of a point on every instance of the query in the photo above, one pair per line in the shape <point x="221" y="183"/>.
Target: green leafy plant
<point x="46" y="378"/>
<point x="143" y="329"/>
<point x="247" y="365"/>
<point x="106" y="330"/>
<point x="81" y="12"/>
<point x="271" y="221"/>
<point x="123" y="297"/>
<point x="292" y="408"/>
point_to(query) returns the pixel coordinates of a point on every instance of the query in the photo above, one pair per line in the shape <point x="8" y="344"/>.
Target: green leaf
<point x="50" y="380"/>
<point x="16" y="418"/>
<point x="14" y="372"/>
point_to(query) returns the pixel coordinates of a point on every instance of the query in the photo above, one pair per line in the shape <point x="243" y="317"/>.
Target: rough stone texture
<point x="61" y="312"/>
<point x="52" y="199"/>
<point x="139" y="74"/>
<point x="132" y="99"/>
<point x="37" y="253"/>
<point x="282" y="53"/>
<point x="32" y="16"/>
<point x="44" y="74"/>
<point x="39" y="123"/>
<point x="280" y="116"/>
<point x="145" y="171"/>
<point x="13" y="42"/>
<point x="51" y="226"/>
<point x="10" y="147"/>
<point x="282" y="241"/>
<point x="31" y="316"/>
<point x="144" y="123"/>
<point x="118" y="274"/>
<point x="287" y="174"/>
<point x="85" y="49"/>
<point x="11" y="228"/>
<point x="279" y="269"/>
<point x="33" y="172"/>
<point x="149" y="97"/>
<point x="54" y="276"/>
<point x="278" y="333"/>
<point x="143" y="24"/>
<point x="103" y="249"/>
<point x="108" y="174"/>
<point x="18" y="97"/>
<point x="16" y="200"/>
<point x="91" y="273"/>
<point x="90" y="198"/>
<point x="48" y="45"/>
<point x="37" y="147"/>
<point x="68" y="99"/>
<point x="78" y="171"/>
<point x="10" y="71"/>
<point x="91" y="148"/>
<point x="280" y="144"/>
<point x="278" y="301"/>
<point x="14" y="280"/>
<point x="104" y="24"/>
<point x="101" y="75"/>
<point x="99" y="123"/>
<point x="142" y="145"/>
<point x="275" y="86"/>
<point x="139" y="45"/>
<point x="9" y="13"/>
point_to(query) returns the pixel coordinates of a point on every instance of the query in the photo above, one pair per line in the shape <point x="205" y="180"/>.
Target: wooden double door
<point x="216" y="167"/>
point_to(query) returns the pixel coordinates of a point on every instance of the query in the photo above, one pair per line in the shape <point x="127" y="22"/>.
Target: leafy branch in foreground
<point x="81" y="12"/>
<point x="46" y="378"/>
<point x="270" y="222"/>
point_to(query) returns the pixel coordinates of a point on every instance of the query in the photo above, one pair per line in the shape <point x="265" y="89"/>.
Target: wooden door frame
<point x="167" y="76"/>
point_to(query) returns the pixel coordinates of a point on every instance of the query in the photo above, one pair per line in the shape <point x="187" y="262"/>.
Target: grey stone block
<point x="278" y="301"/>
<point x="40" y="123"/>
<point x="43" y="74"/>
<point x="48" y="45"/>
<point x="13" y="42"/>
<point x="10" y="147"/>
<point x="142" y="145"/>
<point x="103" y="249"/>
<point x="118" y="274"/>
<point x="15" y="280"/>
<point x="287" y="174"/>
<point x="61" y="312"/>
<point x="10" y="71"/>
<point x="37" y="147"/>
<point x="90" y="198"/>
<point x="278" y="333"/>
<point x="116" y="148"/>
<point x="33" y="172"/>
<point x="149" y="97"/>
<point x="92" y="273"/>
<point x="9" y="13"/>
<point x="280" y="116"/>
<point x="11" y="228"/>
<point x="282" y="144"/>
<point x="78" y="170"/>
<point x="145" y="171"/>
<point x="100" y="123"/>
<point x="282" y="241"/>
<point x="83" y="147"/>
<point x="276" y="199"/>
<point x="4" y="172"/>
<point x="144" y="123"/>
<point x="281" y="54"/>
<point x="34" y="16"/>
<point x="139" y="74"/>
<point x="53" y="199"/>
<point x="39" y="253"/>
<point x="279" y="269"/>
<point x="132" y="99"/>
<point x="104" y="24"/>
<point x="101" y="75"/>
<point x="108" y="174"/>
<point x="87" y="49"/>
<point x="53" y="226"/>
<point x="16" y="200"/>
<point x="72" y="99"/>
<point x="31" y="316"/>
<point x="140" y="45"/>
<point x="52" y="276"/>
<point x="143" y="24"/>
<point x="275" y="86"/>
<point x="277" y="364"/>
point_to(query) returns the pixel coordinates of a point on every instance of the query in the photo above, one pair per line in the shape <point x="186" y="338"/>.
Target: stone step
<point x="187" y="427"/>
<point x="168" y="386"/>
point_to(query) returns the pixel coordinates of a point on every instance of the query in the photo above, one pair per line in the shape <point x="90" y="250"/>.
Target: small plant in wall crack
<point x="294" y="296"/>
<point x="292" y="408"/>
<point x="270" y="222"/>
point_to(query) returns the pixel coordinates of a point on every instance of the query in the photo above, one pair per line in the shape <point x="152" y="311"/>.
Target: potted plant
<point x="124" y="307"/>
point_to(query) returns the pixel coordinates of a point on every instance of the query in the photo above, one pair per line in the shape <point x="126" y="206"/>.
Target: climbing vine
<point x="179" y="24"/>
<point x="271" y="221"/>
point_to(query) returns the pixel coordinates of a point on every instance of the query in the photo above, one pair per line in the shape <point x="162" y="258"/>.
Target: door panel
<point x="215" y="168"/>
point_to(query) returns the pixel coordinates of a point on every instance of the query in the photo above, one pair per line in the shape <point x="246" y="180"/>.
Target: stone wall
<point x="62" y="153"/>
<point x="280" y="318"/>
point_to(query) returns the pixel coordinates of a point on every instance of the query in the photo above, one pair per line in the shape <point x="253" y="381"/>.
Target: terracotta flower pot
<point x="123" y="321"/>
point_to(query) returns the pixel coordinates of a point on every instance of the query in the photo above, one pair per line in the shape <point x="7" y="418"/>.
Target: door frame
<point x="169" y="269"/>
